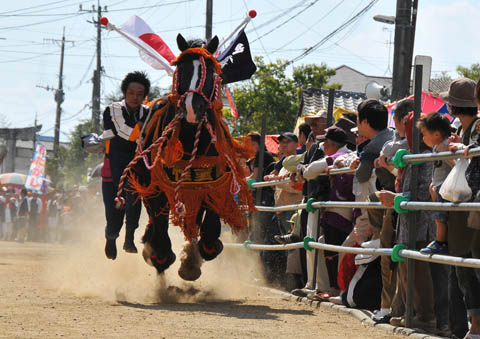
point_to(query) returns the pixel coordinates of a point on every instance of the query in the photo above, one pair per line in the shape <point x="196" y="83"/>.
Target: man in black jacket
<point x="122" y="123"/>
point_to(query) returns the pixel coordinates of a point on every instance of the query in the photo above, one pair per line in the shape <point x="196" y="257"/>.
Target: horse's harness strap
<point x="199" y="89"/>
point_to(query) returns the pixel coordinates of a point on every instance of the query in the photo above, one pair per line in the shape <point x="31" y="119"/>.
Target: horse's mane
<point x="192" y="43"/>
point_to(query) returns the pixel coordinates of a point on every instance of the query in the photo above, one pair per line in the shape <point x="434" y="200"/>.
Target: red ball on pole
<point x="252" y="13"/>
<point x="104" y="21"/>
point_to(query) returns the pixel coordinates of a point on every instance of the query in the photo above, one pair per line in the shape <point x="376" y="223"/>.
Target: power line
<point x="261" y="43"/>
<point x="283" y="13"/>
<point x="337" y="30"/>
<point x="52" y="8"/>
<point x="154" y="6"/>
<point x="72" y="13"/>
<point x="311" y="26"/>
<point x="37" y="54"/>
<point x="80" y="83"/>
<point x="289" y="19"/>
<point x="40" y="22"/>
<point x="43" y="5"/>
<point x="74" y="115"/>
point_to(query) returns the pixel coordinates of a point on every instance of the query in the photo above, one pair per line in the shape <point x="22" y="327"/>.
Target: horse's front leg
<point x="209" y="244"/>
<point x="157" y="249"/>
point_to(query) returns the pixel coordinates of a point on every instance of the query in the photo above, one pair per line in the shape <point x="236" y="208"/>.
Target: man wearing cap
<point x="286" y="137"/>
<point x="336" y="222"/>
<point x="462" y="240"/>
<point x="285" y="194"/>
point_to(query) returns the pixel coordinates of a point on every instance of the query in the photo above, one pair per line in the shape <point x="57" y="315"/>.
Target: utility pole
<point x="59" y="94"/>
<point x="98" y="71"/>
<point x="59" y="97"/>
<point x="208" y="25"/>
<point x="403" y="48"/>
<point x="35" y="135"/>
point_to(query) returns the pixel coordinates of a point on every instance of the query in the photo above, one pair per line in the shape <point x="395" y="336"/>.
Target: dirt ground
<point x="73" y="291"/>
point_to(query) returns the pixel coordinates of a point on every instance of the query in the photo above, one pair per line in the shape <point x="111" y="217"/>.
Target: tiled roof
<point x="314" y="99"/>
<point x="438" y="85"/>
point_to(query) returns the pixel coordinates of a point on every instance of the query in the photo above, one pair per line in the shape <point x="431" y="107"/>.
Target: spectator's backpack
<point x="365" y="288"/>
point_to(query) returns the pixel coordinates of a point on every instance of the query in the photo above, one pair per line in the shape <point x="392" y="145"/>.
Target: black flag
<point x="236" y="60"/>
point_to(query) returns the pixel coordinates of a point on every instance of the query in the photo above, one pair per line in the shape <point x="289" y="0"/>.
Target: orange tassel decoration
<point x="227" y="193"/>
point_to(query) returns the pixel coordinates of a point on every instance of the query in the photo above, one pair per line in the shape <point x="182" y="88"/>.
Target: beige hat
<point x="319" y="114"/>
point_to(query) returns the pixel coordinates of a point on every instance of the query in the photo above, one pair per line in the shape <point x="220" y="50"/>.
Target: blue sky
<point x="446" y="31"/>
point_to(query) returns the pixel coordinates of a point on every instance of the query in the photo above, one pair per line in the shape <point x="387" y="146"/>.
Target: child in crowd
<point x="435" y="128"/>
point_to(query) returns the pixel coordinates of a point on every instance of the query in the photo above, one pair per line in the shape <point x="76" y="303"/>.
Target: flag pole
<point x="250" y="15"/>
<point x="141" y="46"/>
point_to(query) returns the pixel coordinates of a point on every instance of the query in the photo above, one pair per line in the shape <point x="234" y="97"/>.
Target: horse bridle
<point x="199" y="90"/>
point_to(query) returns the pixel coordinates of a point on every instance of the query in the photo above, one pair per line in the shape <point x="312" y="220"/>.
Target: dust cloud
<point x="83" y="270"/>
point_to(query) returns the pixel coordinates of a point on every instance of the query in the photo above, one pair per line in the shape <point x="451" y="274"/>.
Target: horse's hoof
<point x="189" y="272"/>
<point x="210" y="252"/>
<point x="191" y="262"/>
<point x="161" y="263"/>
<point x="147" y="253"/>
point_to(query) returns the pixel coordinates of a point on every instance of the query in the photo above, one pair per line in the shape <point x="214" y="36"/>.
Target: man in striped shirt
<point x="122" y="123"/>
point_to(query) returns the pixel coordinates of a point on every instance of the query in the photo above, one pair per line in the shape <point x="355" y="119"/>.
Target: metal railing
<point x="404" y="253"/>
<point x="406" y="205"/>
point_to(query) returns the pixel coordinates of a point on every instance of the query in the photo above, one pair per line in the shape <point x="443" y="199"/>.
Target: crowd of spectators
<point x="446" y="298"/>
<point x="42" y="217"/>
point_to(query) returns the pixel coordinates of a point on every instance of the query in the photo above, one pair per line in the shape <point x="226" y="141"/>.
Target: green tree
<point x="314" y="75"/>
<point x="472" y="72"/>
<point x="272" y="92"/>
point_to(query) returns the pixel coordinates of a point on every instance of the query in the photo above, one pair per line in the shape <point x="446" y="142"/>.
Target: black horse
<point x="186" y="168"/>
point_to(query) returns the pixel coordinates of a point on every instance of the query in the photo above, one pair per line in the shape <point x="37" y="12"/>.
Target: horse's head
<point x="196" y="78"/>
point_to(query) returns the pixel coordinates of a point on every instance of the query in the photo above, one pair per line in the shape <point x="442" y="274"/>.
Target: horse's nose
<point x="194" y="107"/>
<point x="189" y="108"/>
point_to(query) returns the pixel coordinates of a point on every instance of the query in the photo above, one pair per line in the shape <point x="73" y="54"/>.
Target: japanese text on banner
<point x="37" y="169"/>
